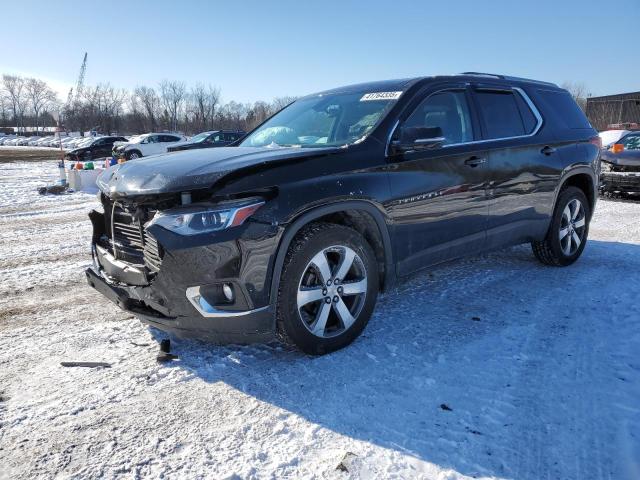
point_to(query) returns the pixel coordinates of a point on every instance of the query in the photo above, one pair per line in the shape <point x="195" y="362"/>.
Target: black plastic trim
<point x="311" y="215"/>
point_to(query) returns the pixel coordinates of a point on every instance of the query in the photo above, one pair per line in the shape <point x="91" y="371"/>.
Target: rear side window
<point x="566" y="108"/>
<point x="168" y="138"/>
<point x="528" y="118"/>
<point x="500" y="114"/>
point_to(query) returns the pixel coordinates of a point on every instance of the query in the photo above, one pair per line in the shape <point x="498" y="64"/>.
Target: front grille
<point x="152" y="253"/>
<point x="132" y="243"/>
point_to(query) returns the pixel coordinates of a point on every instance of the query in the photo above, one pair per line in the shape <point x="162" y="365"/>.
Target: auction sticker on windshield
<point x="380" y="96"/>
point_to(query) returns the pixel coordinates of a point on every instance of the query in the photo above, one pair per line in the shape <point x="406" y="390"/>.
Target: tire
<point x="133" y="155"/>
<point x="327" y="317"/>
<point x="560" y="247"/>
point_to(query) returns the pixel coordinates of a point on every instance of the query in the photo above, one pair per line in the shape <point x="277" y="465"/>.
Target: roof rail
<point x="506" y="77"/>
<point x="482" y="74"/>
<point x="521" y="79"/>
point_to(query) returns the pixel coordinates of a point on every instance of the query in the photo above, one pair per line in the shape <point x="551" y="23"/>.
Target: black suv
<point x="98" y="148"/>
<point x="214" y="138"/>
<point x="293" y="231"/>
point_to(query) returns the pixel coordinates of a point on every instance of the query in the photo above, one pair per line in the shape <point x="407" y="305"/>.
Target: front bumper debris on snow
<point x="174" y="284"/>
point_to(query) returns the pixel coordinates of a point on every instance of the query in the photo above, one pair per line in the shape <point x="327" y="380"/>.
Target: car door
<point x="439" y="206"/>
<point x="523" y="164"/>
<point x="102" y="147"/>
<point x="166" y="141"/>
<point x="149" y="145"/>
<point x="215" y="140"/>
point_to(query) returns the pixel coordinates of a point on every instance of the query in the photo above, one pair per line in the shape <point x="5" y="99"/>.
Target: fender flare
<point x="572" y="172"/>
<point x="309" y="216"/>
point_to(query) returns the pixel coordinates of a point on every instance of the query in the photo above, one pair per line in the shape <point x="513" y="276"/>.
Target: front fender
<point x="311" y="214"/>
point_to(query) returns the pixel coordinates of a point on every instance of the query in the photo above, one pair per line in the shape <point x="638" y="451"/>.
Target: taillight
<point x="597" y="141"/>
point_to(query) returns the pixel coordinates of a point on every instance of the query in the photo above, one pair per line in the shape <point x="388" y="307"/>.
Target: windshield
<point x="323" y="120"/>
<point x="200" y="137"/>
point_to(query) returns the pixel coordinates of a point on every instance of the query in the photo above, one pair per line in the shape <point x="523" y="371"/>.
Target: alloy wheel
<point x="572" y="227"/>
<point x="332" y="291"/>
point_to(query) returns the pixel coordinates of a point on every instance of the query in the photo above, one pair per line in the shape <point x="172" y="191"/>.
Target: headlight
<point x="195" y="219"/>
<point x="605" y="167"/>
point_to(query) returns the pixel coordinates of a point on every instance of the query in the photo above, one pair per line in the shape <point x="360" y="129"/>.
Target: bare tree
<point x="258" y="113"/>
<point x="14" y="87"/>
<point x="579" y="92"/>
<point x="150" y="102"/>
<point x="40" y="97"/>
<point x="110" y="109"/>
<point x="4" y="107"/>
<point x="280" y="102"/>
<point x="204" y="104"/>
<point x="173" y="96"/>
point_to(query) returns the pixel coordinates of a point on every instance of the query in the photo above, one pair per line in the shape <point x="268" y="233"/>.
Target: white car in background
<point x="34" y="141"/>
<point x="24" y="141"/>
<point x="609" y="137"/>
<point x="44" y="142"/>
<point x="73" y="143"/>
<point x="64" y="141"/>
<point x="6" y="139"/>
<point x="146" y="145"/>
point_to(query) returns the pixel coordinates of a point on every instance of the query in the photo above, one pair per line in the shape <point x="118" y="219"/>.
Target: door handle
<point x="474" y="161"/>
<point x="548" y="150"/>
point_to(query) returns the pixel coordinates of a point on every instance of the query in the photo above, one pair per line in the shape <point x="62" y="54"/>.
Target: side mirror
<point x="617" y="148"/>
<point x="418" y="138"/>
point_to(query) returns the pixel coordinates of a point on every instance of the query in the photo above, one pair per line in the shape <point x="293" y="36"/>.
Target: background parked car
<point x="6" y="139"/>
<point x="24" y="141"/>
<point x="610" y="137"/>
<point x="43" y="142"/>
<point x="93" y="148"/>
<point x="620" y="164"/>
<point x="146" y="145"/>
<point x="72" y="143"/>
<point x="214" y="138"/>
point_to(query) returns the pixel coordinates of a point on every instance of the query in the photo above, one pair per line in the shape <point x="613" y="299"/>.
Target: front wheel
<point x="328" y="289"/>
<point x="133" y="155"/>
<point x="567" y="235"/>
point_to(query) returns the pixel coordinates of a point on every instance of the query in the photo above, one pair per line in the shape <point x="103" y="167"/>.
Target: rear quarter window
<point x="565" y="108"/>
<point x="500" y="113"/>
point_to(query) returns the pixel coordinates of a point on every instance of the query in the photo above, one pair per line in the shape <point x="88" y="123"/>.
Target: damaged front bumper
<point x="620" y="182"/>
<point x="182" y="296"/>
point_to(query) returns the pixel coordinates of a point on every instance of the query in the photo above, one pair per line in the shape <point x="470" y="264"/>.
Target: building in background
<point x="622" y="110"/>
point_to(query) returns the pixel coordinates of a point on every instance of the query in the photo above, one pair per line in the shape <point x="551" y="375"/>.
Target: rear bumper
<point x="620" y="181"/>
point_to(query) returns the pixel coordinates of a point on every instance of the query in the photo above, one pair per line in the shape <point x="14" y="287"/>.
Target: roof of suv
<point x="404" y="83"/>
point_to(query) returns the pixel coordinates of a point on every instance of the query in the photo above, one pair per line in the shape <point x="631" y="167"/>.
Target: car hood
<point x="190" y="169"/>
<point x="186" y="142"/>
<point x="626" y="158"/>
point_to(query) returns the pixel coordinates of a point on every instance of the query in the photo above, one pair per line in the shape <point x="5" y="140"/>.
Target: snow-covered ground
<point x="494" y="366"/>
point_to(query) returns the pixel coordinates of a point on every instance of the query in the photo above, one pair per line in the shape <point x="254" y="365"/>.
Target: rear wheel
<point x="567" y="235"/>
<point x="328" y="289"/>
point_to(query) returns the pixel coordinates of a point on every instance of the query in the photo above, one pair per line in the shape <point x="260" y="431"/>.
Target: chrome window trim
<point x="525" y="97"/>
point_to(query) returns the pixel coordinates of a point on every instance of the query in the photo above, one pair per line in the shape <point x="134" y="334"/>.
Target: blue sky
<point x="261" y="50"/>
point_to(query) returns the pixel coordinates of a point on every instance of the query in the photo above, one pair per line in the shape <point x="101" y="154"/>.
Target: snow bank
<point x="489" y="367"/>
